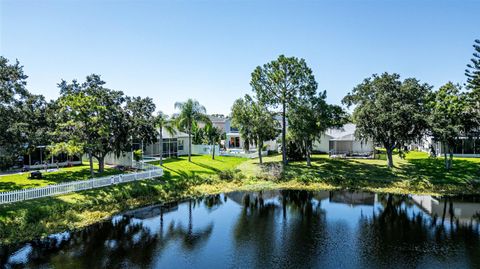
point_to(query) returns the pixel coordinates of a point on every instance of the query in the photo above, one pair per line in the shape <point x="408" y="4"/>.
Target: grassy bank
<point x="20" y="181"/>
<point x="415" y="174"/>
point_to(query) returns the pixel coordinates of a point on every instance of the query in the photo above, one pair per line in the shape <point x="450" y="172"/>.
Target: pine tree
<point x="473" y="69"/>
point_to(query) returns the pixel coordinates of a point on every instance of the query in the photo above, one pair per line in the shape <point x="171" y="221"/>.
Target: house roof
<point x="346" y="133"/>
<point x="177" y="134"/>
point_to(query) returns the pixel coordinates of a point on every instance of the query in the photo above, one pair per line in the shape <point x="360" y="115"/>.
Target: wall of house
<point x="124" y="159"/>
<point x="359" y="146"/>
<point x="322" y="144"/>
<point x="205" y="149"/>
<point x="183" y="151"/>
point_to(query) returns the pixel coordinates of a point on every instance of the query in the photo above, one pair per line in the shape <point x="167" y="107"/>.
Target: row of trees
<point x="391" y="112"/>
<point x="289" y="84"/>
<point x="395" y="113"/>
<point x="87" y="118"/>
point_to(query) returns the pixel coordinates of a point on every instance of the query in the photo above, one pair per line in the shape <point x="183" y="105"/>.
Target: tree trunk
<point x="450" y="162"/>
<point x="213" y="150"/>
<point x="161" y="146"/>
<point x="101" y="164"/>
<point x="445" y="149"/>
<point x="389" y="157"/>
<point x="190" y="142"/>
<point x="307" y="152"/>
<point x="90" y="159"/>
<point x="260" y="146"/>
<point x="284" y="135"/>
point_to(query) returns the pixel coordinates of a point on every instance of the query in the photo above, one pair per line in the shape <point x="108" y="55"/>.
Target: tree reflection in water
<point x="295" y="241"/>
<point x="397" y="236"/>
<point x="272" y="229"/>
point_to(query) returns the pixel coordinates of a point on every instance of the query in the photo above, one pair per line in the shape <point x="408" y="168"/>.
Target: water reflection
<point x="280" y="229"/>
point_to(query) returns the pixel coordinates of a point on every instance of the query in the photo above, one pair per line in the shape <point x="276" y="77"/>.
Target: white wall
<point x="205" y="149"/>
<point x="322" y="144"/>
<point x="359" y="146"/>
<point x="185" y="146"/>
<point x="124" y="159"/>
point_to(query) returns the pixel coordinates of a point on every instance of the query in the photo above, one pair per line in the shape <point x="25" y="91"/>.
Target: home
<point x="172" y="145"/>
<point x="342" y="142"/>
<point x="235" y="141"/>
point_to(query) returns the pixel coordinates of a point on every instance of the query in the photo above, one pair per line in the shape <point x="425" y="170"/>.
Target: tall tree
<point x="163" y="122"/>
<point x="214" y="134"/>
<point x="23" y="123"/>
<point x="473" y="84"/>
<point x="242" y="119"/>
<point x="95" y="116"/>
<point x="473" y="69"/>
<point x="389" y="111"/>
<point x="191" y="112"/>
<point x="310" y="118"/>
<point x="256" y="124"/>
<point x="141" y="119"/>
<point x="448" y="117"/>
<point x="280" y="83"/>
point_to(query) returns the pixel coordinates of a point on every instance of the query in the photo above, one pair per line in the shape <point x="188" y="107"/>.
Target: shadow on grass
<point x="462" y="171"/>
<point x="328" y="169"/>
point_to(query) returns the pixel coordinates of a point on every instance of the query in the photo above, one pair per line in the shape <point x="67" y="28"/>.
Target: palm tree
<point x="191" y="112"/>
<point x="163" y="122"/>
<point x="213" y="134"/>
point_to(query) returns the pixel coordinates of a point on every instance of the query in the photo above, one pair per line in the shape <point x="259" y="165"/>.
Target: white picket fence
<point x="149" y="172"/>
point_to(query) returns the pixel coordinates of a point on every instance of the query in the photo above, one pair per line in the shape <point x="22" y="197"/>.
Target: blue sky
<point x="206" y="50"/>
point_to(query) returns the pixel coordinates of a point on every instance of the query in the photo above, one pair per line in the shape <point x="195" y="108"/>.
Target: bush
<point x="231" y="174"/>
<point x="420" y="184"/>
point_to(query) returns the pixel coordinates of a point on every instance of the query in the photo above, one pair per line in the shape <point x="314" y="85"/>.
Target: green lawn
<point x="21" y="181"/>
<point x="416" y="168"/>
<point x="201" y="165"/>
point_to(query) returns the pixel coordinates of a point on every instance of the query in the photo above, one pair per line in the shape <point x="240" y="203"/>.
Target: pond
<point x="272" y="229"/>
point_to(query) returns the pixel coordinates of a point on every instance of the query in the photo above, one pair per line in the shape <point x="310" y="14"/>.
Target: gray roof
<point x="346" y="133"/>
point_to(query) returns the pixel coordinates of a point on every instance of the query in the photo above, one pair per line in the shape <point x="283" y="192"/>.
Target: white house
<point x="173" y="145"/>
<point x="342" y="141"/>
<point x="235" y="141"/>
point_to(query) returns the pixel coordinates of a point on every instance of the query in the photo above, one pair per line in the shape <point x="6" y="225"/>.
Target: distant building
<point x="342" y="141"/>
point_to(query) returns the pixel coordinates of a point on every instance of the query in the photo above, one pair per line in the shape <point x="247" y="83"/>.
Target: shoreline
<point x="60" y="220"/>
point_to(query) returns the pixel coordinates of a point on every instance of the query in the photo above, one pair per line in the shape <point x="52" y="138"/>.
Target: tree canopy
<point x="279" y="83"/>
<point x="389" y="111"/>
<point x="310" y="118"/>
<point x="23" y="124"/>
<point x="191" y="112"/>
<point x="448" y="117"/>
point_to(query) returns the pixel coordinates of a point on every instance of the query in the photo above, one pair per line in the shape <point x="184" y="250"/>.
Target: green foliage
<point x="191" y="112"/>
<point x="389" y="111"/>
<point x="163" y="122"/>
<point x="280" y="83"/>
<point x="473" y="69"/>
<point x="141" y="119"/>
<point x="23" y="124"/>
<point x="138" y="154"/>
<point x="309" y="118"/>
<point x="95" y="116"/>
<point x="231" y="175"/>
<point x="449" y="115"/>
<point x="255" y="123"/>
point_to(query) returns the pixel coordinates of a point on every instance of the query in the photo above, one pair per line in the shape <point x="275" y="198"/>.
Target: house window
<point x="180" y="144"/>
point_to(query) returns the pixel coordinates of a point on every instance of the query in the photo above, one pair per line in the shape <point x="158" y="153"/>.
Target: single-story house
<point x="342" y="141"/>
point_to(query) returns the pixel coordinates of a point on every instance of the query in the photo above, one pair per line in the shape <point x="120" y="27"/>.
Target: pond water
<point x="272" y="229"/>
